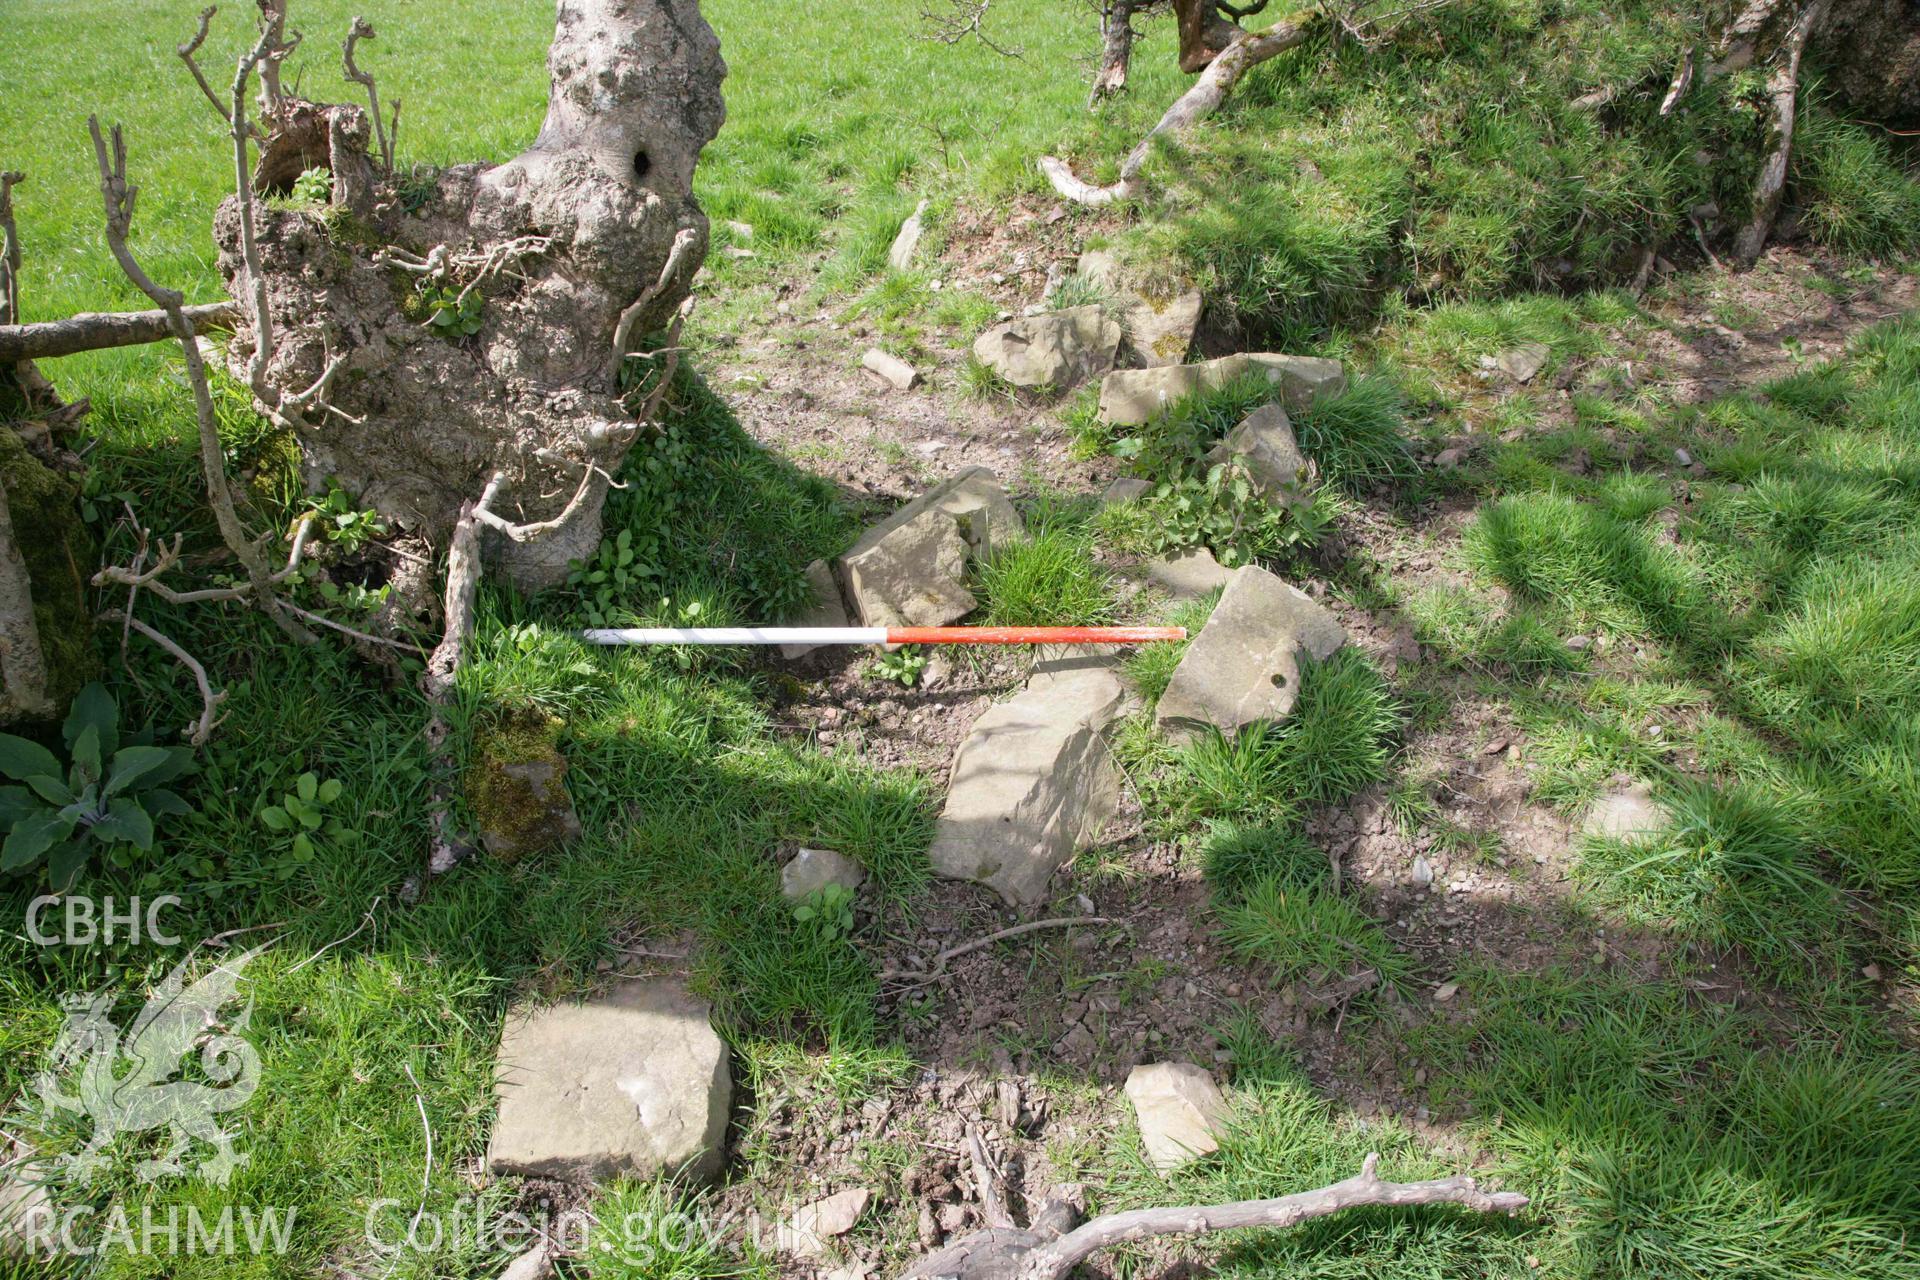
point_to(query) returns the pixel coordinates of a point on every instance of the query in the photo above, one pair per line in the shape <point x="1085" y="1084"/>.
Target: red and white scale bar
<point x="881" y="635"/>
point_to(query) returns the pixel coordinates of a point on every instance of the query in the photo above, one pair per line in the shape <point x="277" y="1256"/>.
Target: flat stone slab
<point x="1124" y="489"/>
<point x="807" y="1231"/>
<point x="1244" y="666"/>
<point x="1188" y="575"/>
<point x="1160" y="316"/>
<point x="1180" y="1110"/>
<point x="1058" y="349"/>
<point x="812" y="870"/>
<point x="911" y="568"/>
<point x="1129" y="397"/>
<point x="633" y="1083"/>
<point x="829" y="609"/>
<point x="1032" y="783"/>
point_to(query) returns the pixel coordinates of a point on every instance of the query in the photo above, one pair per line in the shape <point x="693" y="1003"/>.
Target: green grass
<point x="1050" y="577"/>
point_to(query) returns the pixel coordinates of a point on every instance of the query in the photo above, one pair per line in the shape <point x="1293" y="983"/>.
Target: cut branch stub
<point x="532" y="263"/>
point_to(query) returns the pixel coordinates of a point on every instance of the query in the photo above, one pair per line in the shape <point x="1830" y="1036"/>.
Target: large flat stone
<point x="1188" y="574"/>
<point x="1244" y="666"/>
<point x="1132" y="396"/>
<point x="1058" y="349"/>
<point x="1630" y="813"/>
<point x="1031" y="784"/>
<point x="827" y="610"/>
<point x="634" y="1083"/>
<point x="811" y="870"/>
<point x="911" y="568"/>
<point x="1180" y="1110"/>
<point x="1160" y="315"/>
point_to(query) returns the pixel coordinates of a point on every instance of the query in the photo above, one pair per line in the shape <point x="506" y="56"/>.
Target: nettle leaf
<point x="93" y="708"/>
<point x="31" y="837"/>
<point x="126" y="821"/>
<point x="22" y="760"/>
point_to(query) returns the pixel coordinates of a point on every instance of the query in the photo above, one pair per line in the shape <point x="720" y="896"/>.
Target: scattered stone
<point x="1160" y="315"/>
<point x="812" y="870"/>
<point x="911" y="568"/>
<point x="736" y="251"/>
<point x="1445" y="992"/>
<point x="1057" y="349"/>
<point x="1580" y="644"/>
<point x="633" y="1083"/>
<point x="1495" y="747"/>
<point x="1180" y="1110"/>
<point x="1871" y="973"/>
<point x="806" y="1233"/>
<point x="29" y="1220"/>
<point x="1125" y="489"/>
<point x="1628" y="814"/>
<point x="1448" y="459"/>
<point x="1264" y="444"/>
<point x="1522" y="364"/>
<point x="1031" y="784"/>
<point x="1188" y="574"/>
<point x="829" y="609"/>
<point x="1244" y="666"/>
<point x="741" y="230"/>
<point x="517" y="789"/>
<point x="1422" y="873"/>
<point x="900" y="255"/>
<point x="1132" y="396"/>
<point x="897" y="373"/>
<point x="1682" y="457"/>
<point x="535" y="1264"/>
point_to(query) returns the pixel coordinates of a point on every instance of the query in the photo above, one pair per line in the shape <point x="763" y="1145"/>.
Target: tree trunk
<point x="1203" y="33"/>
<point x="590" y="233"/>
<point x="23" y="666"/>
<point x="1872" y="52"/>
<point x="1116" y="49"/>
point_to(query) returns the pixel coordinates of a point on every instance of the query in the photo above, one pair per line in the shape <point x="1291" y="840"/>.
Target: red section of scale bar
<point x="1033" y="635"/>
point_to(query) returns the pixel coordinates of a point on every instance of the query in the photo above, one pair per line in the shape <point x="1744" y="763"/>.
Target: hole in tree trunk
<point x="641" y="164"/>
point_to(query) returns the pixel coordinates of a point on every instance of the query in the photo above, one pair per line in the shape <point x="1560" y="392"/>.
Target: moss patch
<point x="516" y="786"/>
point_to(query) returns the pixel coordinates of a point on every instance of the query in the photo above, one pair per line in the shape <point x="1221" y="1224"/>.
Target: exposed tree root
<point x="1783" y="92"/>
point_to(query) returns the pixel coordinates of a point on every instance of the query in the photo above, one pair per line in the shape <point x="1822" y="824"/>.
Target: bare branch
<point x="623" y="331"/>
<point x="9" y="255"/>
<point x="1044" y="1253"/>
<point x="99" y="330"/>
<point x="210" y="700"/>
<point x="119" y="198"/>
<point x="191" y="47"/>
<point x="363" y="30"/>
<point x="967" y="18"/>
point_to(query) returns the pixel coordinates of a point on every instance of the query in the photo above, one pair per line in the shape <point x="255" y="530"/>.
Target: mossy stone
<point x="516" y="787"/>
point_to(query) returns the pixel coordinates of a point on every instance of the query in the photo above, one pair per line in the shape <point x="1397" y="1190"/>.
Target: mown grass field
<point x="1762" y="613"/>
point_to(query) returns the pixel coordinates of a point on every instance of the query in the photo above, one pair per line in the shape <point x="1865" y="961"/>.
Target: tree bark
<point x="1116" y="50"/>
<point x="1204" y="34"/>
<point x="23" y="667"/>
<point x="98" y="330"/>
<point x="555" y="246"/>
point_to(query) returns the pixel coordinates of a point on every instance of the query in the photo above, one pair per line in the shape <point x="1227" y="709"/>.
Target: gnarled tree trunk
<point x="575" y="248"/>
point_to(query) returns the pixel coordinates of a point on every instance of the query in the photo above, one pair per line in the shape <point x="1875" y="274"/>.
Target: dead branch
<point x="187" y="52"/>
<point x="363" y="30"/>
<point x="953" y="953"/>
<point x="119" y="199"/>
<point x="1193" y="106"/>
<point x="9" y="258"/>
<point x="210" y="699"/>
<point x="1682" y="81"/>
<point x="966" y="18"/>
<point x="1783" y="89"/>
<point x="100" y="330"/>
<point x="623" y="330"/>
<point x="1045" y="1253"/>
<point x="273" y="49"/>
<point x="1116" y="50"/>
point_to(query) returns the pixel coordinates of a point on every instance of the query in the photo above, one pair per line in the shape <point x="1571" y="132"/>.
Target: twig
<point x="968" y="18"/>
<point x="210" y="700"/>
<point x="361" y="29"/>
<point x="967" y="948"/>
<point x="359" y="929"/>
<point x="623" y="330"/>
